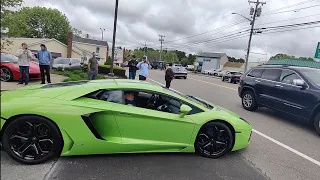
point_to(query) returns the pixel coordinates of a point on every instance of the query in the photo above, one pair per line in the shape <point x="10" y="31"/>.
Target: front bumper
<point x="242" y="139"/>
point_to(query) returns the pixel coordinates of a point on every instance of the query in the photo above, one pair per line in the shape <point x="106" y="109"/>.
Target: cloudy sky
<point x="197" y="25"/>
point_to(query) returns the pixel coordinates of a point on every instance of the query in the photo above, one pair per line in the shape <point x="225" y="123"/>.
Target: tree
<point x="76" y="32"/>
<point x="285" y="56"/>
<point x="5" y="4"/>
<point x="180" y="54"/>
<point x="39" y="22"/>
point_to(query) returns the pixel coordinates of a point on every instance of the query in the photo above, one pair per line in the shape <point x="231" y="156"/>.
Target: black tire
<point x="246" y="103"/>
<point x="316" y="123"/>
<point x="10" y="73"/>
<point x="185" y="77"/>
<point x="210" y="135"/>
<point x="222" y="79"/>
<point x="32" y="140"/>
<point x="215" y="74"/>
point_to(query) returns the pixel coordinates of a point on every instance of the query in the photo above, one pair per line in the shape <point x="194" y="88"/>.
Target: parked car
<point x="207" y="72"/>
<point x="216" y="73"/>
<point x="222" y="73"/>
<point x="180" y="72"/>
<point x="232" y="77"/>
<point x="190" y="67"/>
<point x="10" y="69"/>
<point x="292" y="90"/>
<point x="95" y="114"/>
<point x="66" y="63"/>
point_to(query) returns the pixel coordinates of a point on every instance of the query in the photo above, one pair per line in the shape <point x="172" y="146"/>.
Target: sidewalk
<point x="5" y="86"/>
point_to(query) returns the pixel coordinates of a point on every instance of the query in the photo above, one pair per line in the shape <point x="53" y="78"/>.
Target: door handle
<point x="257" y="81"/>
<point x="124" y="114"/>
<point x="278" y="86"/>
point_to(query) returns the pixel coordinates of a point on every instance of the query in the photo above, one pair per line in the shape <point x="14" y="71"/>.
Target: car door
<point x="152" y="129"/>
<point x="294" y="99"/>
<point x="268" y="93"/>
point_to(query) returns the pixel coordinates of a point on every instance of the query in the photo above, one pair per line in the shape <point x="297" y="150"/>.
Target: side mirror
<point x="184" y="110"/>
<point x="299" y="82"/>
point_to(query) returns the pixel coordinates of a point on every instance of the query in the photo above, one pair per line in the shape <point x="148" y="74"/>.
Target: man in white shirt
<point x="24" y="55"/>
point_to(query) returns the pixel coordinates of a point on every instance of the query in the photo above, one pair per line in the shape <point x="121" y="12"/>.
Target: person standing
<point x="132" y="67"/>
<point x="93" y="67"/>
<point x="24" y="55"/>
<point x="45" y="58"/>
<point x="143" y="67"/>
<point x="169" y="77"/>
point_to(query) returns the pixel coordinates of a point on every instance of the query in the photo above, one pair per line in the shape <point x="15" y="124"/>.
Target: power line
<point x="292" y="5"/>
<point x="295" y="10"/>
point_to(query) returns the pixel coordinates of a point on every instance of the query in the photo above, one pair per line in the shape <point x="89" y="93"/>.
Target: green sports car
<point x="114" y="116"/>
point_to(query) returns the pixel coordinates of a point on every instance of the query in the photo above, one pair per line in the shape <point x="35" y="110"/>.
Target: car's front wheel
<point x="316" y="123"/>
<point x="32" y="139"/>
<point x="249" y="101"/>
<point x="6" y="74"/>
<point x="214" y="140"/>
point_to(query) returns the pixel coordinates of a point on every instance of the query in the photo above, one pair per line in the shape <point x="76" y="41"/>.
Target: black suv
<point x="289" y="89"/>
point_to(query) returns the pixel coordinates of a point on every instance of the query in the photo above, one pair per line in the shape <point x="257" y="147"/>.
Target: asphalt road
<point x="281" y="148"/>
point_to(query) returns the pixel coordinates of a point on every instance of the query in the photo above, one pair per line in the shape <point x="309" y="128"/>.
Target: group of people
<point x="143" y="68"/>
<point x="24" y="58"/>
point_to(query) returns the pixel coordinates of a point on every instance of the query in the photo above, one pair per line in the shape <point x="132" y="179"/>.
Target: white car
<point x="190" y="67"/>
<point x="66" y="63"/>
<point x="208" y="71"/>
<point x="216" y="72"/>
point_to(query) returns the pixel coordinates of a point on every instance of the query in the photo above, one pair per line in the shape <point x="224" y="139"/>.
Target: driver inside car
<point x="129" y="98"/>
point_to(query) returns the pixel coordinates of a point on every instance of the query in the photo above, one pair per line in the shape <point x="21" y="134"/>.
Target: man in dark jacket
<point x="168" y="77"/>
<point x="132" y="67"/>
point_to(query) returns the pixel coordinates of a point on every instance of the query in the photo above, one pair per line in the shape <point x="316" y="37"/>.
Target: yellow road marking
<point x="215" y="84"/>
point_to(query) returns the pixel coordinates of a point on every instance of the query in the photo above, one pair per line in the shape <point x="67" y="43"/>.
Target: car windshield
<point x="312" y="75"/>
<point x="8" y="58"/>
<point x="191" y="98"/>
<point x="61" y="61"/>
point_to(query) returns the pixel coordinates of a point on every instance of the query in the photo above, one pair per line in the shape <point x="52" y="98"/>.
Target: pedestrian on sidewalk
<point x="24" y="55"/>
<point x="93" y="67"/>
<point x="45" y="58"/>
<point x="169" y="77"/>
<point x="132" y="67"/>
<point x="143" y="67"/>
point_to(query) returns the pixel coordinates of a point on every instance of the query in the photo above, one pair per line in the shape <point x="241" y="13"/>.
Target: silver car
<point x="66" y="63"/>
<point x="180" y="72"/>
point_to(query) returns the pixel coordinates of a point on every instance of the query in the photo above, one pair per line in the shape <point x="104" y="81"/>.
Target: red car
<point x="10" y="71"/>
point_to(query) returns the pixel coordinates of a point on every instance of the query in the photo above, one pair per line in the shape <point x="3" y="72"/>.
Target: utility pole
<point x="161" y="40"/>
<point x="257" y="12"/>
<point x="102" y="29"/>
<point x="114" y="36"/>
<point x="145" y="48"/>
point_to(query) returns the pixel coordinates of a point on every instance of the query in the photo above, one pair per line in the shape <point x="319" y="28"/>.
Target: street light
<point x="102" y="29"/>
<point x="243" y="17"/>
<point x="251" y="32"/>
<point x="114" y="36"/>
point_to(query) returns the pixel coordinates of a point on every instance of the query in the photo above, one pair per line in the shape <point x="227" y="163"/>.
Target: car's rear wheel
<point x="32" y="139"/>
<point x="6" y="74"/>
<point x="316" y="123"/>
<point x="214" y="140"/>
<point x="222" y="79"/>
<point x="249" y="101"/>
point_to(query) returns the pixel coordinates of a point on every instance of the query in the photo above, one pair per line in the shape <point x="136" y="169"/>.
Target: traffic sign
<point x="317" y="55"/>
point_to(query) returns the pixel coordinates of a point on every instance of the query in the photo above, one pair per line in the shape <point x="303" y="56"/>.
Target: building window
<point x="97" y="49"/>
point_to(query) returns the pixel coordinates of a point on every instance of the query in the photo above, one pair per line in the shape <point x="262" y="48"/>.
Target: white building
<point x="208" y="61"/>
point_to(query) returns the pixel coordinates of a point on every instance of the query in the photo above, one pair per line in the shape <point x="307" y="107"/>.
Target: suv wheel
<point x="316" y="123"/>
<point x="249" y="101"/>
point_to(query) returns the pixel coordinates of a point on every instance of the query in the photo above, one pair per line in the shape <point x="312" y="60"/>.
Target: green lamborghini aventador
<point x="114" y="116"/>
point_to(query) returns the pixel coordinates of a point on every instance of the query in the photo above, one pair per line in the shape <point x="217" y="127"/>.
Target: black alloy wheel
<point x="316" y="123"/>
<point x="32" y="140"/>
<point x="214" y="140"/>
<point x="6" y="74"/>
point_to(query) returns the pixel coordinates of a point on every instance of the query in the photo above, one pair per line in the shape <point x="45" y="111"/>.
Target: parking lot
<point x="281" y="148"/>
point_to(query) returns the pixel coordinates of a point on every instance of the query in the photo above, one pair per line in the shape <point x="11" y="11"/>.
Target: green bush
<point x="105" y="69"/>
